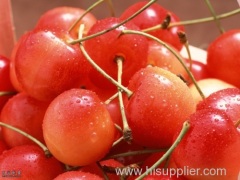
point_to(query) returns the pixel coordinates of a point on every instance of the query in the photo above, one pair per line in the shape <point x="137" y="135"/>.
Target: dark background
<point x="27" y="12"/>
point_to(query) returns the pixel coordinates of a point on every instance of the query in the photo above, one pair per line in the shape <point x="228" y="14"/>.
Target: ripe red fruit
<point x="77" y="128"/>
<point x="29" y="162"/>
<point x="104" y="50"/>
<point x="46" y="65"/>
<point x="25" y="113"/>
<point x="63" y="17"/>
<point x="223" y="59"/>
<point x="5" y="84"/>
<point x="77" y="175"/>
<point x="3" y="146"/>
<point x="212" y="143"/>
<point x="227" y="100"/>
<point x="161" y="102"/>
<point x="152" y="16"/>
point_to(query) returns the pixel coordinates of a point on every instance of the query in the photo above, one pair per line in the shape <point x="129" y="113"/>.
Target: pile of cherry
<point x="84" y="97"/>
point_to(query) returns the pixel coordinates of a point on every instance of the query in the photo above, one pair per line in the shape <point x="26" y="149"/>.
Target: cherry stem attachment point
<point x="175" y="53"/>
<point x="99" y="69"/>
<point x="41" y="145"/>
<point x="185" y="128"/>
<point x="113" y="27"/>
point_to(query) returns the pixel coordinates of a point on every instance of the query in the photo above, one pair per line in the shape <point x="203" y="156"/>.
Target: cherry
<point x="208" y="86"/>
<point x="160" y="56"/>
<point x="25" y="113"/>
<point x="29" y="162"/>
<point x="44" y="62"/>
<point x="5" y="85"/>
<point x="3" y="146"/>
<point x="106" y="48"/>
<point x="63" y="17"/>
<point x="77" y="175"/>
<point x="212" y="142"/>
<point x="227" y="100"/>
<point x="161" y="102"/>
<point x="77" y="128"/>
<point x="223" y="57"/>
<point x="152" y="16"/>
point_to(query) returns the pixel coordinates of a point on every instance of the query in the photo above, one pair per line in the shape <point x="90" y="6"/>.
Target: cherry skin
<point x="208" y="86"/>
<point x="3" y="146"/>
<point x="223" y="59"/>
<point x="63" y="18"/>
<point x="227" y="100"/>
<point x="30" y="162"/>
<point x="77" y="175"/>
<point x="5" y="84"/>
<point x="159" y="55"/>
<point x="104" y="50"/>
<point x="161" y="102"/>
<point x="212" y="142"/>
<point x="46" y="65"/>
<point x="77" y="128"/>
<point x="25" y="113"/>
<point x="152" y="16"/>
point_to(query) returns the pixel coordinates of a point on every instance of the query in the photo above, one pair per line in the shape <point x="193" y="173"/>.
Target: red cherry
<point x="29" y="162"/>
<point x="25" y="113"/>
<point x="5" y="84"/>
<point x="63" y="17"/>
<point x="46" y="65"/>
<point x="223" y="59"/>
<point x="77" y="128"/>
<point x="152" y="16"/>
<point x="212" y="142"/>
<point x="3" y="146"/>
<point x="227" y="100"/>
<point x="160" y="103"/>
<point x="77" y="175"/>
<point x="104" y="50"/>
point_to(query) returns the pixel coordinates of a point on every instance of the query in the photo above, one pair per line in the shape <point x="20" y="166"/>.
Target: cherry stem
<point x="127" y="132"/>
<point x="135" y="153"/>
<point x="237" y="123"/>
<point x="87" y="11"/>
<point x="45" y="149"/>
<point x="111" y="98"/>
<point x="99" y="69"/>
<point x="195" y="21"/>
<point x="183" y="39"/>
<point x="175" y="53"/>
<point x="117" y="141"/>
<point x="185" y="128"/>
<point x="102" y="170"/>
<point x="118" y="127"/>
<point x="110" y="6"/>
<point x="214" y="16"/>
<point x="7" y="93"/>
<point x="113" y="27"/>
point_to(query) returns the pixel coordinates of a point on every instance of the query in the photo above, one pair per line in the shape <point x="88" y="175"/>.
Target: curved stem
<point x="195" y="21"/>
<point x="44" y="148"/>
<point x="113" y="27"/>
<point x="184" y="130"/>
<point x="173" y="51"/>
<point x="214" y="16"/>
<point x="110" y="6"/>
<point x="87" y="11"/>
<point x="98" y="68"/>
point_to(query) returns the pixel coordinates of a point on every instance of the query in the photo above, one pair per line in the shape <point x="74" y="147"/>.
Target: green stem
<point x="87" y="11"/>
<point x="184" y="130"/>
<point x="113" y="27"/>
<point x="45" y="149"/>
<point x="214" y="16"/>
<point x="127" y="132"/>
<point x="175" y="53"/>
<point x="195" y="21"/>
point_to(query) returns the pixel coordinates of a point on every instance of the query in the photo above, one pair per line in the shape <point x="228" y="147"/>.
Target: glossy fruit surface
<point x="77" y="128"/>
